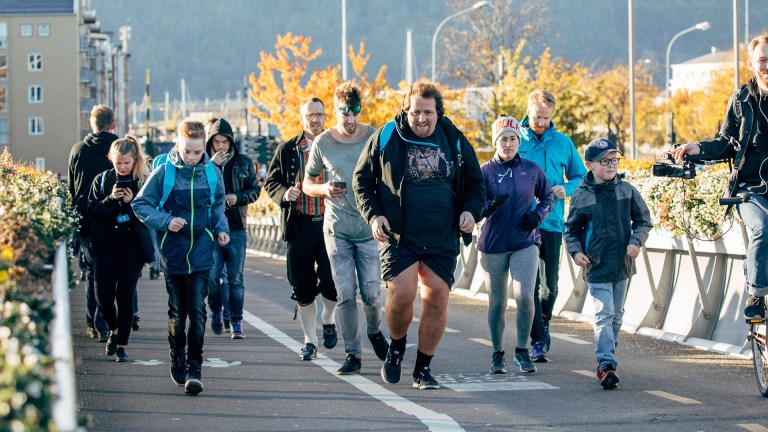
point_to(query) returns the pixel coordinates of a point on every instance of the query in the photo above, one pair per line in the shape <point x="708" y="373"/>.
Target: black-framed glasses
<point x="315" y="116"/>
<point x="606" y="162"/>
<point x="346" y="109"/>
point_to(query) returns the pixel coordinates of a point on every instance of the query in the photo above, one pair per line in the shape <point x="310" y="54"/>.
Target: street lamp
<point x="703" y="26"/>
<point x="475" y="6"/>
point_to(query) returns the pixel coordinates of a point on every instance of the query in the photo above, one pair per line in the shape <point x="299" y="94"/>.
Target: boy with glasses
<point x="607" y="224"/>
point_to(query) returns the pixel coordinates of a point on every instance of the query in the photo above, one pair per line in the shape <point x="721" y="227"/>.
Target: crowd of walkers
<point x="361" y="205"/>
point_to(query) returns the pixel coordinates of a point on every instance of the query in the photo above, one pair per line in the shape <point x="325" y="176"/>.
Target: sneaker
<point x="308" y="352"/>
<point x="111" y="345"/>
<point x="423" y="380"/>
<point x="154" y="274"/>
<point x="329" y="336"/>
<point x="227" y="325"/>
<point x="237" y="330"/>
<point x="547" y="338"/>
<point x="178" y="365"/>
<point x="539" y="352"/>
<point x="391" y="369"/>
<point x="351" y="366"/>
<point x="120" y="355"/>
<point x="216" y="325"/>
<point x="91" y="333"/>
<point x="135" y="325"/>
<point x="103" y="337"/>
<point x="755" y="307"/>
<point x="498" y="363"/>
<point x="193" y="384"/>
<point x="607" y="377"/>
<point x="523" y="359"/>
<point x="380" y="345"/>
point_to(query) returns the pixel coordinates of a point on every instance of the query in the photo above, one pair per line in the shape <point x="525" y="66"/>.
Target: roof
<point x="36" y="7"/>
<point x="715" y="57"/>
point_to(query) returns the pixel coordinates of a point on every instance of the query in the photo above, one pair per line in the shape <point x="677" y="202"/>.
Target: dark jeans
<point x="186" y="299"/>
<point x="233" y="255"/>
<point x="117" y="274"/>
<point x="93" y="317"/>
<point x="549" y="268"/>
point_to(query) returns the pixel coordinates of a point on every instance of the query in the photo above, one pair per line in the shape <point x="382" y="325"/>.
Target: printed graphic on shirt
<point x="427" y="164"/>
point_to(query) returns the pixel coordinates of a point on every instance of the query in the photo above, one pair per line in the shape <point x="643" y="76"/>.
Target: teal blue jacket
<point x="555" y="153"/>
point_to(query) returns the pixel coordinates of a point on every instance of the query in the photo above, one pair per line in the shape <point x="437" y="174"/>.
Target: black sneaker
<point x="423" y="380"/>
<point x="351" y="366"/>
<point x="103" y="336"/>
<point x="391" y="369"/>
<point x="178" y="365"/>
<point x="121" y="355"/>
<point x="135" y="325"/>
<point x="498" y="363"/>
<point x="111" y="345"/>
<point x="237" y="330"/>
<point x="193" y="384"/>
<point x="226" y="325"/>
<point x="154" y="274"/>
<point x="380" y="345"/>
<point x="308" y="352"/>
<point x="607" y="377"/>
<point x="330" y="338"/>
<point x="755" y="308"/>
<point x="216" y="325"/>
<point x="523" y="360"/>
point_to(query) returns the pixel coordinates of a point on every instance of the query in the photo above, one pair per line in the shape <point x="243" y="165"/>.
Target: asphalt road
<point x="258" y="384"/>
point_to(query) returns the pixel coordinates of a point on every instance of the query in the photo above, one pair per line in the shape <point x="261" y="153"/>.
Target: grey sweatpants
<point x="522" y="266"/>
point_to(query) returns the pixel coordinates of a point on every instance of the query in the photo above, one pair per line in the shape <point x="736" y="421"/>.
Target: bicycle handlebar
<point x="739" y="199"/>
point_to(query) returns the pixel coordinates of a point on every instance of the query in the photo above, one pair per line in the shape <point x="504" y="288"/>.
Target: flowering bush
<point x="264" y="206"/>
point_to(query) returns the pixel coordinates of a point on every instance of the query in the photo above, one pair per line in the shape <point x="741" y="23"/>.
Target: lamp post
<point x="475" y="6"/>
<point x="703" y="26"/>
<point x="344" y="39"/>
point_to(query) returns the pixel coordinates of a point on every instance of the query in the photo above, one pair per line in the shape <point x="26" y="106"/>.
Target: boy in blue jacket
<point x="183" y="200"/>
<point x="607" y="224"/>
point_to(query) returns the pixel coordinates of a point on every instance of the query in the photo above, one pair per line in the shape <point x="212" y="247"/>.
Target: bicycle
<point x="758" y="330"/>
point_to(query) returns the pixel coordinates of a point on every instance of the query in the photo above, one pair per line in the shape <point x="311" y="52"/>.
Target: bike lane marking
<point x="435" y="421"/>
<point x="754" y="427"/>
<point x="569" y="338"/>
<point x="482" y="341"/>
<point x="673" y="397"/>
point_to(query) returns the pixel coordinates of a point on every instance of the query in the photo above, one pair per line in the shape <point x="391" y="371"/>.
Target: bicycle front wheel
<point x="760" y="356"/>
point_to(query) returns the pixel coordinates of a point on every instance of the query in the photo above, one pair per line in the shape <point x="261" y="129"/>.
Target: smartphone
<point x="339" y="184"/>
<point x="124" y="184"/>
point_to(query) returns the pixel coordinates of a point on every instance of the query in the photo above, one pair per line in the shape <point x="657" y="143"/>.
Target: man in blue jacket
<point x="555" y="153"/>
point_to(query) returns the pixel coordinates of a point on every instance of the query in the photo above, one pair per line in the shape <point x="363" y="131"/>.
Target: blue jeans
<point x="233" y="255"/>
<point x="355" y="265"/>
<point x="609" y="310"/>
<point x="755" y="266"/>
<point x="186" y="299"/>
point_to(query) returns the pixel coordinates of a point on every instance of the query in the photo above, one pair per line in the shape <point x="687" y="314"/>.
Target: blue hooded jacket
<point x="191" y="249"/>
<point x="555" y="153"/>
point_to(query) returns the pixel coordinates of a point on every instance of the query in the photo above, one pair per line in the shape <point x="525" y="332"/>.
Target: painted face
<point x="346" y="118"/>
<point x="220" y="142"/>
<point x="124" y="164"/>
<point x="758" y="64"/>
<point x="313" y="118"/>
<point x="604" y="170"/>
<point x="507" y="144"/>
<point x="422" y="116"/>
<point x="539" y="117"/>
<point x="191" y="150"/>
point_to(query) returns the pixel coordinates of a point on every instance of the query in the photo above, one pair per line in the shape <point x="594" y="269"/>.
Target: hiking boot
<point x="308" y="352"/>
<point x="380" y="345"/>
<point x="216" y="325"/>
<point x="135" y="325"/>
<point x="351" y="366"/>
<point x="227" y="325"/>
<point x="423" y="379"/>
<point x="547" y="338"/>
<point x="91" y="333"/>
<point x="193" y="384"/>
<point x="498" y="363"/>
<point x="120" y="355"/>
<point x="178" y="365"/>
<point x="237" y="330"/>
<point x="523" y="359"/>
<point x="607" y="377"/>
<point x="539" y="352"/>
<point x="330" y="338"/>
<point x="111" y="345"/>
<point x="755" y="308"/>
<point x="391" y="369"/>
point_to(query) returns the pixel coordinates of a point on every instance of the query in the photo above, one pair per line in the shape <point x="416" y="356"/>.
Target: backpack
<point x="170" y="178"/>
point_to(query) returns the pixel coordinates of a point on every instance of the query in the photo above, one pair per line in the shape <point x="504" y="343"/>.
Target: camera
<point x="666" y="167"/>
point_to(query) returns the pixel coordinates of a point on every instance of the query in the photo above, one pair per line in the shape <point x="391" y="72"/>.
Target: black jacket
<point x="87" y="159"/>
<point x="243" y="179"/>
<point x="378" y="177"/>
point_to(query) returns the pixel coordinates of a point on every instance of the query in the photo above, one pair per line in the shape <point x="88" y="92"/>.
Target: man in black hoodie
<point x="241" y="186"/>
<point x="87" y="159"/>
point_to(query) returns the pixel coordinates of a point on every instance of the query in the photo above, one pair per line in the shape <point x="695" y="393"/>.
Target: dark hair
<point x="310" y="100"/>
<point x="425" y="89"/>
<point x="348" y="93"/>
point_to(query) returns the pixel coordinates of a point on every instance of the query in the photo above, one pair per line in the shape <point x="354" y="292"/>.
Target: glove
<point x="530" y="222"/>
<point x="497" y="202"/>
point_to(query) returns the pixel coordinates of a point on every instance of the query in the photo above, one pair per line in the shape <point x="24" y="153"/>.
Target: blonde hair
<point x="130" y="145"/>
<point x="541" y="96"/>
<point x="102" y="118"/>
<point x="762" y="39"/>
<point x="191" y="129"/>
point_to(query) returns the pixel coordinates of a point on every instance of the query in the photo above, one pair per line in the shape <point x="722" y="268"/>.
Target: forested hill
<point x="213" y="44"/>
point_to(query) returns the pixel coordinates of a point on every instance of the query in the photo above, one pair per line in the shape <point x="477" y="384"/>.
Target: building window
<point x="44" y="30"/>
<point x="35" y="62"/>
<point x="35" y="94"/>
<point x="26" y="30"/>
<point x="3" y="131"/>
<point x="3" y="34"/>
<point x="3" y="98"/>
<point x="3" y="66"/>
<point x="35" y="125"/>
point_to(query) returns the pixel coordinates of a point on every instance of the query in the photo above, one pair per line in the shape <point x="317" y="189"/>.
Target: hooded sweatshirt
<point x="87" y="159"/>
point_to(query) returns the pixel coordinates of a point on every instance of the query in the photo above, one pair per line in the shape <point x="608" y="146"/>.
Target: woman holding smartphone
<point x="121" y="243"/>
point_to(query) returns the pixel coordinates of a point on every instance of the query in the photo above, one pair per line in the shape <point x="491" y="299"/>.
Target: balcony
<point x="86" y="104"/>
<point x="87" y="76"/>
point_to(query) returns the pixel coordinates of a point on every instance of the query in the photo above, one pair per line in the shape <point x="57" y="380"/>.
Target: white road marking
<point x="673" y="397"/>
<point x="435" y="421"/>
<point x="480" y="382"/>
<point x="450" y="330"/>
<point x="482" y="341"/>
<point x="219" y="363"/>
<point x="754" y="427"/>
<point x="569" y="338"/>
<point x="586" y="373"/>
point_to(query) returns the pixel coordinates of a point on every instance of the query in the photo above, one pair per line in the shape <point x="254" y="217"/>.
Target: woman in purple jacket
<point x="518" y="198"/>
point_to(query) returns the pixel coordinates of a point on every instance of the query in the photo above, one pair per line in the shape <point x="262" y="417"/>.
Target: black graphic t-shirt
<point x="755" y="168"/>
<point x="428" y="198"/>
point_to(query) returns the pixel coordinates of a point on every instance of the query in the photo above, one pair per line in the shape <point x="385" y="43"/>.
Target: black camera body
<point x="666" y="167"/>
